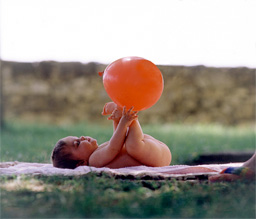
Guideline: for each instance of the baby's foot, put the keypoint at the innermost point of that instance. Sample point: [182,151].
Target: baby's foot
[116,114]
[109,108]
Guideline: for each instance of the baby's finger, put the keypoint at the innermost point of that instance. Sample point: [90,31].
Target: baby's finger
[124,110]
[134,112]
[130,109]
[134,117]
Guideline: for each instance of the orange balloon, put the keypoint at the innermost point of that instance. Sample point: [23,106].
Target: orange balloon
[133,81]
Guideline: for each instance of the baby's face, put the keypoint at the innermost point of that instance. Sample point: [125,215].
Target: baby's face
[80,148]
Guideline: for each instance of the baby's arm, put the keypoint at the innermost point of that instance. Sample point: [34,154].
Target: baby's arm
[146,149]
[109,150]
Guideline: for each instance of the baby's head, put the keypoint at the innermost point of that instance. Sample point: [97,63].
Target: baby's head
[71,152]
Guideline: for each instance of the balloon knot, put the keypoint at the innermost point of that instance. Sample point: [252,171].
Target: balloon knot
[101,73]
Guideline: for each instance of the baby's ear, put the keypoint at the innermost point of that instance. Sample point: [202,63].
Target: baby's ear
[81,163]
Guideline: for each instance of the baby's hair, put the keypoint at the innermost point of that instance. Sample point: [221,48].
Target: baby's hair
[63,159]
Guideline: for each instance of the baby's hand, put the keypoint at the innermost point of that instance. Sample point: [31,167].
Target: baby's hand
[128,116]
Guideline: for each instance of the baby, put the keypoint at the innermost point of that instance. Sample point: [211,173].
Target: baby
[127,147]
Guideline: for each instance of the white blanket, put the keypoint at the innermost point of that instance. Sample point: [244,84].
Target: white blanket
[174,171]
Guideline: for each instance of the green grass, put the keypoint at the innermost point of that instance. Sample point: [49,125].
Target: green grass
[34,143]
[102,196]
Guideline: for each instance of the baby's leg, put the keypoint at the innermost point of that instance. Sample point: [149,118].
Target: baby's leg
[146,149]
[245,172]
[108,108]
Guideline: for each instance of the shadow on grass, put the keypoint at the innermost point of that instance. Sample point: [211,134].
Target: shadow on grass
[103,196]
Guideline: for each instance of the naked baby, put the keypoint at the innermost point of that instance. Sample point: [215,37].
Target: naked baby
[127,147]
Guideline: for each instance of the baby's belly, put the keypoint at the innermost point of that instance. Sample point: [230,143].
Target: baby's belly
[123,159]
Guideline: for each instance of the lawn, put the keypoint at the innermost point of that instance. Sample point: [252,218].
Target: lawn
[95,195]
[34,143]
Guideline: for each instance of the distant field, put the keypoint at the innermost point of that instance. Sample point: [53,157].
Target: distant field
[196,94]
[34,142]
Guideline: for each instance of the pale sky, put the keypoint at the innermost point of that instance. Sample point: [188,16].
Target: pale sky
[170,32]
